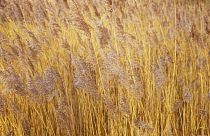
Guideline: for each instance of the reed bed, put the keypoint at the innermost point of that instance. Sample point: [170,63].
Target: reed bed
[104,68]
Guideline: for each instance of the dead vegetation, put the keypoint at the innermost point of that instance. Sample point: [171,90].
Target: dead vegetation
[104,68]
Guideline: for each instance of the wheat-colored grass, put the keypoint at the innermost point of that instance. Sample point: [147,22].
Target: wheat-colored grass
[104,68]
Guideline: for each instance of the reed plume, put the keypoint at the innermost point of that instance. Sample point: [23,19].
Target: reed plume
[102,34]
[83,78]
[77,19]
[12,81]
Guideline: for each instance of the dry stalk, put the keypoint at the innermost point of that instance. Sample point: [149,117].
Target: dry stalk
[124,105]
[63,115]
[186,94]
[11,133]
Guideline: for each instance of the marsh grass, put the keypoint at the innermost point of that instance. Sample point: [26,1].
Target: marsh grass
[104,68]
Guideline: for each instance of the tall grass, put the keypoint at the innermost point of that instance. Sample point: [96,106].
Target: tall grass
[104,68]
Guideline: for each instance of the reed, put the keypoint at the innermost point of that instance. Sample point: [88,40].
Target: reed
[104,68]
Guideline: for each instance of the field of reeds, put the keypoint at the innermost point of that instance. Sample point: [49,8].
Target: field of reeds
[104,67]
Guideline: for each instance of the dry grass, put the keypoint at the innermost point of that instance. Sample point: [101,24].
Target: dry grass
[104,68]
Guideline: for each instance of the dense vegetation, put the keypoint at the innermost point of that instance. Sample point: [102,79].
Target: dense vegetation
[104,68]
